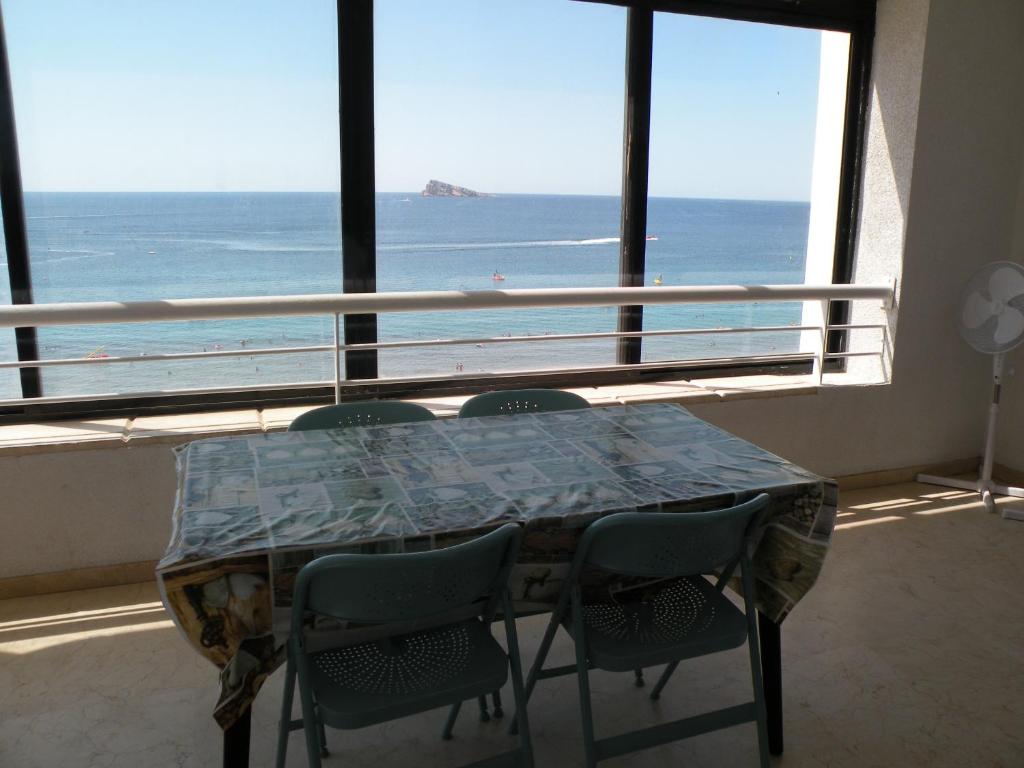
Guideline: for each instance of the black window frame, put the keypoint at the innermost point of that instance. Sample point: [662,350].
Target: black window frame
[358,223]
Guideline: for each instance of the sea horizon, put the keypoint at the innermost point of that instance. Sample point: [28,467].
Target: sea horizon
[483,193]
[129,246]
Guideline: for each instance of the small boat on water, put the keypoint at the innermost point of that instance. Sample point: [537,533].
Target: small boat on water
[652,237]
[497,277]
[658,280]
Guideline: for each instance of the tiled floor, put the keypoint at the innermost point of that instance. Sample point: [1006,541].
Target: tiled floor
[908,652]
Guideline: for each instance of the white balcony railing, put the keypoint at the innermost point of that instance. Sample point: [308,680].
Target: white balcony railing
[338,305]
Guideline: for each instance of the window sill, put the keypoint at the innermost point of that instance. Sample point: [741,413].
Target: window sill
[24,439]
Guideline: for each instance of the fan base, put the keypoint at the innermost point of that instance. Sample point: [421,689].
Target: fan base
[1016,512]
[987,490]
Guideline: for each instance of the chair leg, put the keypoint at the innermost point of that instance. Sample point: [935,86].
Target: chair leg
[312,742]
[284,729]
[453,715]
[583,678]
[321,732]
[518,689]
[309,719]
[485,716]
[639,677]
[762,714]
[538,662]
[754,646]
[656,693]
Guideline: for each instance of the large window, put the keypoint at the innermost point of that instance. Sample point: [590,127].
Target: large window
[10,385]
[183,150]
[734,111]
[523,107]
[195,150]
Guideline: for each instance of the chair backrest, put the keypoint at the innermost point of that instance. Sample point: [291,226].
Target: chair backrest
[365,414]
[418,586]
[669,544]
[521,400]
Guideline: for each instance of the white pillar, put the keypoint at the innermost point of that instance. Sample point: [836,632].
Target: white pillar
[828,153]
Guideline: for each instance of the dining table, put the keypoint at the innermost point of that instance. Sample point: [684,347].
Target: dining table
[252,510]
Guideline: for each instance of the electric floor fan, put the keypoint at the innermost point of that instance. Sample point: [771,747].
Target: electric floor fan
[991,321]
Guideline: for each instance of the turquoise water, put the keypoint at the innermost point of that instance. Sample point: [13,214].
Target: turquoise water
[99,246]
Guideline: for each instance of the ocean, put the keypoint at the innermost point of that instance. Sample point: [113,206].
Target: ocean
[135,246]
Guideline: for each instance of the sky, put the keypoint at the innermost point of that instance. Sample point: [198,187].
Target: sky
[505,96]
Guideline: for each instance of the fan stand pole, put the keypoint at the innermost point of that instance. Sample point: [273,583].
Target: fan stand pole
[984,484]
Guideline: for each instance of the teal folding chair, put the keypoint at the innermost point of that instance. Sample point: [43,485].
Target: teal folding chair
[662,622]
[521,401]
[364,414]
[418,637]
[508,402]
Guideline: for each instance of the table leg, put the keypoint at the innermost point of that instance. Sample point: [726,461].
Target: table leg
[771,672]
[236,742]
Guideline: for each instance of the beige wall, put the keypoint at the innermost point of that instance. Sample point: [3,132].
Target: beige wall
[944,193]
[1010,443]
[84,508]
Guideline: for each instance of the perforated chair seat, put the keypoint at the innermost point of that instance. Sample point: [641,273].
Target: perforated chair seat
[684,618]
[373,682]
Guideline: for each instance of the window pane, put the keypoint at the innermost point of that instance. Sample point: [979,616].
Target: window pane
[521,101]
[178,151]
[10,383]
[734,114]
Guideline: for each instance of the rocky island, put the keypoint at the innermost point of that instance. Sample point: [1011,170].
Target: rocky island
[436,188]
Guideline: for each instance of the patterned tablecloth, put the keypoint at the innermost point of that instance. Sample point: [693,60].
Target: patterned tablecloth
[251,511]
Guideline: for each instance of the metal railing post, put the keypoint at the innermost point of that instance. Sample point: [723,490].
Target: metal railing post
[825,304]
[337,359]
